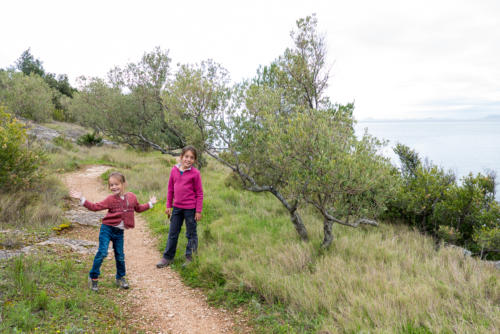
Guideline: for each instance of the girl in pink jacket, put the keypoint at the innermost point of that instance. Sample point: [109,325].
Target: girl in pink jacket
[184,203]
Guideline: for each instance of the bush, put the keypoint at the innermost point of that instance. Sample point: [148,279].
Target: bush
[465,214]
[58,115]
[90,139]
[19,166]
[26,96]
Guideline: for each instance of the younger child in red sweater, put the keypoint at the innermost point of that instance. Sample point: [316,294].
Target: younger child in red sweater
[120,216]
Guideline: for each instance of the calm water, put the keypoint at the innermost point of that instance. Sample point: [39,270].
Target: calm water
[462,146]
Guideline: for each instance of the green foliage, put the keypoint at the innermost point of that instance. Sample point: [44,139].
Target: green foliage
[343,177]
[137,117]
[90,139]
[430,198]
[63,142]
[192,101]
[58,115]
[488,238]
[26,96]
[60,85]
[19,165]
[29,65]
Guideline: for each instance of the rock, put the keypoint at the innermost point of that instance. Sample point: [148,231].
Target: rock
[79,246]
[70,131]
[464,251]
[7,254]
[83,216]
[41,132]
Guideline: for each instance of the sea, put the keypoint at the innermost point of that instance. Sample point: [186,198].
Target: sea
[471,146]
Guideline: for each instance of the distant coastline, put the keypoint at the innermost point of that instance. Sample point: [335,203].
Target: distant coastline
[430,119]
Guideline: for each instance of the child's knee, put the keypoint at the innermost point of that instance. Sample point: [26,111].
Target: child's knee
[101,253]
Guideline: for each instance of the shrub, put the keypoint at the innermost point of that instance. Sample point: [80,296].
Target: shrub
[63,142]
[90,139]
[27,96]
[58,115]
[19,166]
[466,214]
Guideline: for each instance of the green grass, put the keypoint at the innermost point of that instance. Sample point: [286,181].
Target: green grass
[49,294]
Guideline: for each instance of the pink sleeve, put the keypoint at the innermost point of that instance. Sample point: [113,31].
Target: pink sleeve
[170,190]
[198,193]
[103,205]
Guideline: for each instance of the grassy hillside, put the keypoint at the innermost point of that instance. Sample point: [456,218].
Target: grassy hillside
[377,280]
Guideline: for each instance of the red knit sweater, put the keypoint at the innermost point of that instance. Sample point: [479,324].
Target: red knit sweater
[119,209]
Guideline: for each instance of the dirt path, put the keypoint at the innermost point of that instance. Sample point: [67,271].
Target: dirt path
[159,301]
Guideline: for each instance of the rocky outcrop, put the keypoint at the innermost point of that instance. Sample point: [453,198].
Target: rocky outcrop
[69,131]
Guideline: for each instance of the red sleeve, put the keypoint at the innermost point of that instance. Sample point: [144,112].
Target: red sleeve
[139,207]
[170,189]
[103,205]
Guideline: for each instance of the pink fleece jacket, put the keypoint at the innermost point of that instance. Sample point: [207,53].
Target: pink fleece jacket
[185,191]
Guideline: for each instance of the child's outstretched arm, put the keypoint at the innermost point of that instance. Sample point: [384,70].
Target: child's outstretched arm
[144,207]
[89,205]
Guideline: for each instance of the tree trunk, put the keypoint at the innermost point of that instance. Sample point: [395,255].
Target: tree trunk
[299,225]
[253,186]
[328,236]
[294,215]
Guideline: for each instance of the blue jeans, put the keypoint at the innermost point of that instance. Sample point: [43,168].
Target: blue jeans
[178,215]
[115,235]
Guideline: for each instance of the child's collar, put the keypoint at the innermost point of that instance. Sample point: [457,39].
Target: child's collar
[179,168]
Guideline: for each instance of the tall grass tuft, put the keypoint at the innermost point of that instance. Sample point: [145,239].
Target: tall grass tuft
[37,207]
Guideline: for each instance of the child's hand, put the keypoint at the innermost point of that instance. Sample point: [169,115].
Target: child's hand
[168,212]
[152,199]
[197,216]
[75,194]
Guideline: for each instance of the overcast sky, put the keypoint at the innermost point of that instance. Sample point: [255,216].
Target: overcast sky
[395,59]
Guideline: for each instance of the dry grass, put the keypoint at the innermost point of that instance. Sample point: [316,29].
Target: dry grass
[380,280]
[37,207]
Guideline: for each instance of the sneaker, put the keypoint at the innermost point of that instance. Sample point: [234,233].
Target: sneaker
[164,262]
[189,259]
[93,284]
[122,283]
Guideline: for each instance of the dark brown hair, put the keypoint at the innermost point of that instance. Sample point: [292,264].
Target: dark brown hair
[119,176]
[189,148]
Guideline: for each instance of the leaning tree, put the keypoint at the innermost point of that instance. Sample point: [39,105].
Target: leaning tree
[343,177]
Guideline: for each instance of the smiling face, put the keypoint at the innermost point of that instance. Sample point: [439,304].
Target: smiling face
[116,186]
[187,160]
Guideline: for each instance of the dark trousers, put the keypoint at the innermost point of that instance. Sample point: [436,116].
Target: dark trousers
[178,216]
[115,235]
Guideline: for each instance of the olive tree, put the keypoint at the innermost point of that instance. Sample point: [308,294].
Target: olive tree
[26,96]
[192,101]
[342,176]
[129,106]
[295,82]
